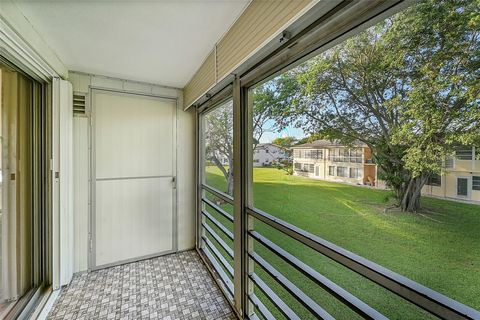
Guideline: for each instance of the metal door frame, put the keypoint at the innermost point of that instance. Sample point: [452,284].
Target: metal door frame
[92,181]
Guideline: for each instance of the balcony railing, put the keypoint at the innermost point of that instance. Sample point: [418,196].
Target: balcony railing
[345,159]
[219,256]
[428,299]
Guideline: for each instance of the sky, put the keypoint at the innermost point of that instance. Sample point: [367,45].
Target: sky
[287,132]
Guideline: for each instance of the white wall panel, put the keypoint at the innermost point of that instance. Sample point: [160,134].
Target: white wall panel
[66,218]
[81,174]
[137,130]
[186,178]
[105,82]
[134,147]
[82,82]
[133,219]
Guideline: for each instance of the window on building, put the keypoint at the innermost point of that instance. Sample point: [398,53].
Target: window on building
[464,153]
[311,167]
[434,180]
[476,183]
[355,173]
[342,171]
[331,170]
[449,162]
[297,166]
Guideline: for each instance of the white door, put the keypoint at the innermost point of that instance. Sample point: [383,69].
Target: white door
[133,214]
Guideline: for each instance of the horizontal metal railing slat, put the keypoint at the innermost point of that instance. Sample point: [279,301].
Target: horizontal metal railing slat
[223,276]
[307,302]
[218,255]
[218,209]
[347,298]
[426,298]
[222,195]
[261,307]
[219,225]
[218,239]
[274,298]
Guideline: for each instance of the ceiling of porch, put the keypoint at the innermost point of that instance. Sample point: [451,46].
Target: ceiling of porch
[161,42]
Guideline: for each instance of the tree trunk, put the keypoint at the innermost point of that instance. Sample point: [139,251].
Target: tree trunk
[409,197]
[230,183]
[230,178]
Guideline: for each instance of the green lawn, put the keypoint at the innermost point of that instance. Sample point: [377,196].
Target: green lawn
[439,249]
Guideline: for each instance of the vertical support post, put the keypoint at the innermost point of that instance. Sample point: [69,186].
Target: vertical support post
[200,177]
[248,141]
[239,134]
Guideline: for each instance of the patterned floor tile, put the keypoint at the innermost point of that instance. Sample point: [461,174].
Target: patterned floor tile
[172,287]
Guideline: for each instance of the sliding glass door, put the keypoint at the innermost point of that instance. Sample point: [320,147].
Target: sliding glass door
[22,185]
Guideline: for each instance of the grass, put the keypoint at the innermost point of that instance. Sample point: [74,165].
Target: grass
[439,248]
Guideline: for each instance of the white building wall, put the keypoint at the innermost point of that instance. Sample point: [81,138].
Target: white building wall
[266,154]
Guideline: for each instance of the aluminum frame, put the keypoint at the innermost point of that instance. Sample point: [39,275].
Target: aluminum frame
[40,134]
[202,246]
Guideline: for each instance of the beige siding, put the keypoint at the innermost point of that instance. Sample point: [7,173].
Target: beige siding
[203,80]
[260,21]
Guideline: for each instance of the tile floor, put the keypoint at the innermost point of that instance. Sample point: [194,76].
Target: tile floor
[176,286]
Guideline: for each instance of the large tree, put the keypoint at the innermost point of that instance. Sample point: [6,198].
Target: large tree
[407,87]
[218,131]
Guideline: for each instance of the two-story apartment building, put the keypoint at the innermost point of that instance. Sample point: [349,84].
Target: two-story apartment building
[460,178]
[266,154]
[327,160]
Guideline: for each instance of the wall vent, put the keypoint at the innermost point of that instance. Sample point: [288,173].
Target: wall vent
[78,104]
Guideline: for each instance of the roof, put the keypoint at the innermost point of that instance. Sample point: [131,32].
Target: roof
[321,144]
[264,145]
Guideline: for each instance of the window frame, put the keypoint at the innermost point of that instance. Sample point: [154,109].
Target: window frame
[476,183]
[434,181]
[214,265]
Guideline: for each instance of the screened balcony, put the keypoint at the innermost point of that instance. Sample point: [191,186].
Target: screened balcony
[132,186]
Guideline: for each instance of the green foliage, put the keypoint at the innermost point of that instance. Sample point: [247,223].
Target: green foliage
[284,165]
[285,142]
[407,87]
